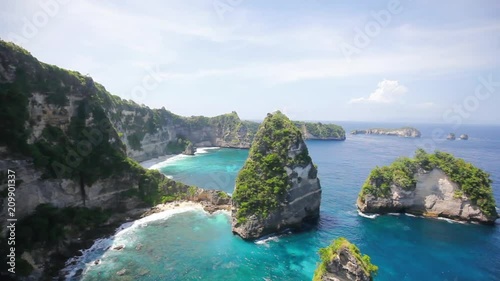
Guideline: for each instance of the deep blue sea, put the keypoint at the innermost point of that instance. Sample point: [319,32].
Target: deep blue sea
[193,245]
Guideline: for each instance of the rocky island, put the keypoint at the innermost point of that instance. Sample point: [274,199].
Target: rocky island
[343,261]
[451,136]
[464,137]
[433,185]
[278,187]
[321,131]
[406,132]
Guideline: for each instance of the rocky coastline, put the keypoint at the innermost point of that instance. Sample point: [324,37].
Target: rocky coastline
[53,261]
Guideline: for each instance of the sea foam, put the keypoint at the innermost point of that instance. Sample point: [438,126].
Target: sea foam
[204,150]
[372,216]
[101,246]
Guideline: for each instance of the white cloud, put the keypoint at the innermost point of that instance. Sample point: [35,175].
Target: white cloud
[388,91]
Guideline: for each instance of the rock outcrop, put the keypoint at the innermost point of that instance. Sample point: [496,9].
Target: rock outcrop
[451,136]
[342,261]
[190,149]
[406,132]
[464,137]
[321,131]
[278,187]
[422,187]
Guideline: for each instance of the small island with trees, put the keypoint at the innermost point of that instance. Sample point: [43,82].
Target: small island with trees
[434,185]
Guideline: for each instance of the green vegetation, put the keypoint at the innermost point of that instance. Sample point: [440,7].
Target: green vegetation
[331,252]
[134,141]
[320,130]
[263,181]
[222,195]
[473,182]
[153,187]
[89,148]
[179,146]
[49,225]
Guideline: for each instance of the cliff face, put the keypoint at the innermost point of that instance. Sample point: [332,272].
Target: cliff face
[426,189]
[342,261]
[61,136]
[403,132]
[278,187]
[149,133]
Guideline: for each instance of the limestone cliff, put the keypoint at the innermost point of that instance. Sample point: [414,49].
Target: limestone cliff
[434,185]
[60,135]
[342,261]
[406,132]
[148,133]
[278,187]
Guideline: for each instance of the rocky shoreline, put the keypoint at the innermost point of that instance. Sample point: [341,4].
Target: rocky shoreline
[61,262]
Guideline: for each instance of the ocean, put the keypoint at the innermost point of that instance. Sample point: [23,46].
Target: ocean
[189,244]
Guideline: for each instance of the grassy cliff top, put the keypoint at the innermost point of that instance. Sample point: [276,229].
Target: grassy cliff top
[263,181]
[321,130]
[332,251]
[472,181]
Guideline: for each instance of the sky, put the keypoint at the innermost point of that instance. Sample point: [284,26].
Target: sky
[382,61]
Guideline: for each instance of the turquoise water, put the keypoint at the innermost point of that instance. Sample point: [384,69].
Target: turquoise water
[196,246]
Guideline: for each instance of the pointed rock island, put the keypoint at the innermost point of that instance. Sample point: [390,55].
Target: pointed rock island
[433,185]
[278,187]
[343,261]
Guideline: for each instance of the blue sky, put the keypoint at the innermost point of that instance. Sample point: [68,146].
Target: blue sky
[410,61]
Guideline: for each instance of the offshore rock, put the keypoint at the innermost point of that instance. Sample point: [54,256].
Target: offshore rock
[278,187]
[342,261]
[406,132]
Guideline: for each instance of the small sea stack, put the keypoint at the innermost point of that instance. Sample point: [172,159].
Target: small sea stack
[464,137]
[343,261]
[431,185]
[278,187]
[451,136]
